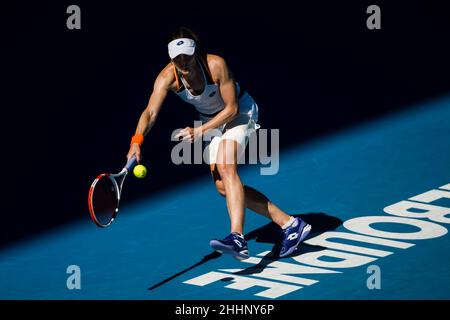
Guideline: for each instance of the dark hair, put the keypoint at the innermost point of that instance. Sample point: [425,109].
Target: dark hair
[185,32]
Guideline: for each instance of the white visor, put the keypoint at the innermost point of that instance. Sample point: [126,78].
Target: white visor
[181,46]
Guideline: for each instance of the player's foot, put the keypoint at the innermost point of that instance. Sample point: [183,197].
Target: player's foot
[233,244]
[292,236]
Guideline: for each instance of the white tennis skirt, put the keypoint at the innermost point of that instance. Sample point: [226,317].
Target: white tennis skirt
[239,129]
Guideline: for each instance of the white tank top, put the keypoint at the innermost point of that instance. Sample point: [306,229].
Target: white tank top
[210,101]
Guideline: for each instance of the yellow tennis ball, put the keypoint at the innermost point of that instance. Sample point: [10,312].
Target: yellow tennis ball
[140,171]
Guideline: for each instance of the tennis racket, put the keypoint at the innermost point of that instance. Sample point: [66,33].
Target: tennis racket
[104,195]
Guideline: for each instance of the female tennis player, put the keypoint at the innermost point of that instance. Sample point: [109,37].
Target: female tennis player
[205,81]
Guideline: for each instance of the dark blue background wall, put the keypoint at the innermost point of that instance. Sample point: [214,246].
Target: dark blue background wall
[71,99]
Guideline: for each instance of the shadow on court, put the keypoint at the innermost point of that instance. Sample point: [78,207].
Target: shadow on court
[211,256]
[271,233]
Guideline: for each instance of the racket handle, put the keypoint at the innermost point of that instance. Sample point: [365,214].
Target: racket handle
[131,163]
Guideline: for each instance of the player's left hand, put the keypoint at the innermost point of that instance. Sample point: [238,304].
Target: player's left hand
[189,134]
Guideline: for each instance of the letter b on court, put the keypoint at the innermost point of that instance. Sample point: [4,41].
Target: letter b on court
[74,280]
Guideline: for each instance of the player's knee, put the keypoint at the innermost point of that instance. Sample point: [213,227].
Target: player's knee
[226,170]
[220,188]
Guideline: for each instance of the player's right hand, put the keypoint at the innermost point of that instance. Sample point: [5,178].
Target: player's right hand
[135,149]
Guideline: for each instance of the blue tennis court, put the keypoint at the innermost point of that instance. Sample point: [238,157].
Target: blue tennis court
[158,247]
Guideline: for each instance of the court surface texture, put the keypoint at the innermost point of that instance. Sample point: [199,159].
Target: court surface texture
[158,248]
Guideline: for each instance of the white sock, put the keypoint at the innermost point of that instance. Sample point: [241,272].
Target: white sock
[291,223]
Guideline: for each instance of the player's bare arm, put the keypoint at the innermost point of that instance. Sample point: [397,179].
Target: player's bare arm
[162,85]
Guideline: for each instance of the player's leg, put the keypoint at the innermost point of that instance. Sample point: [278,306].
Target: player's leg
[253,200]
[294,229]
[227,168]
[226,165]
[223,156]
